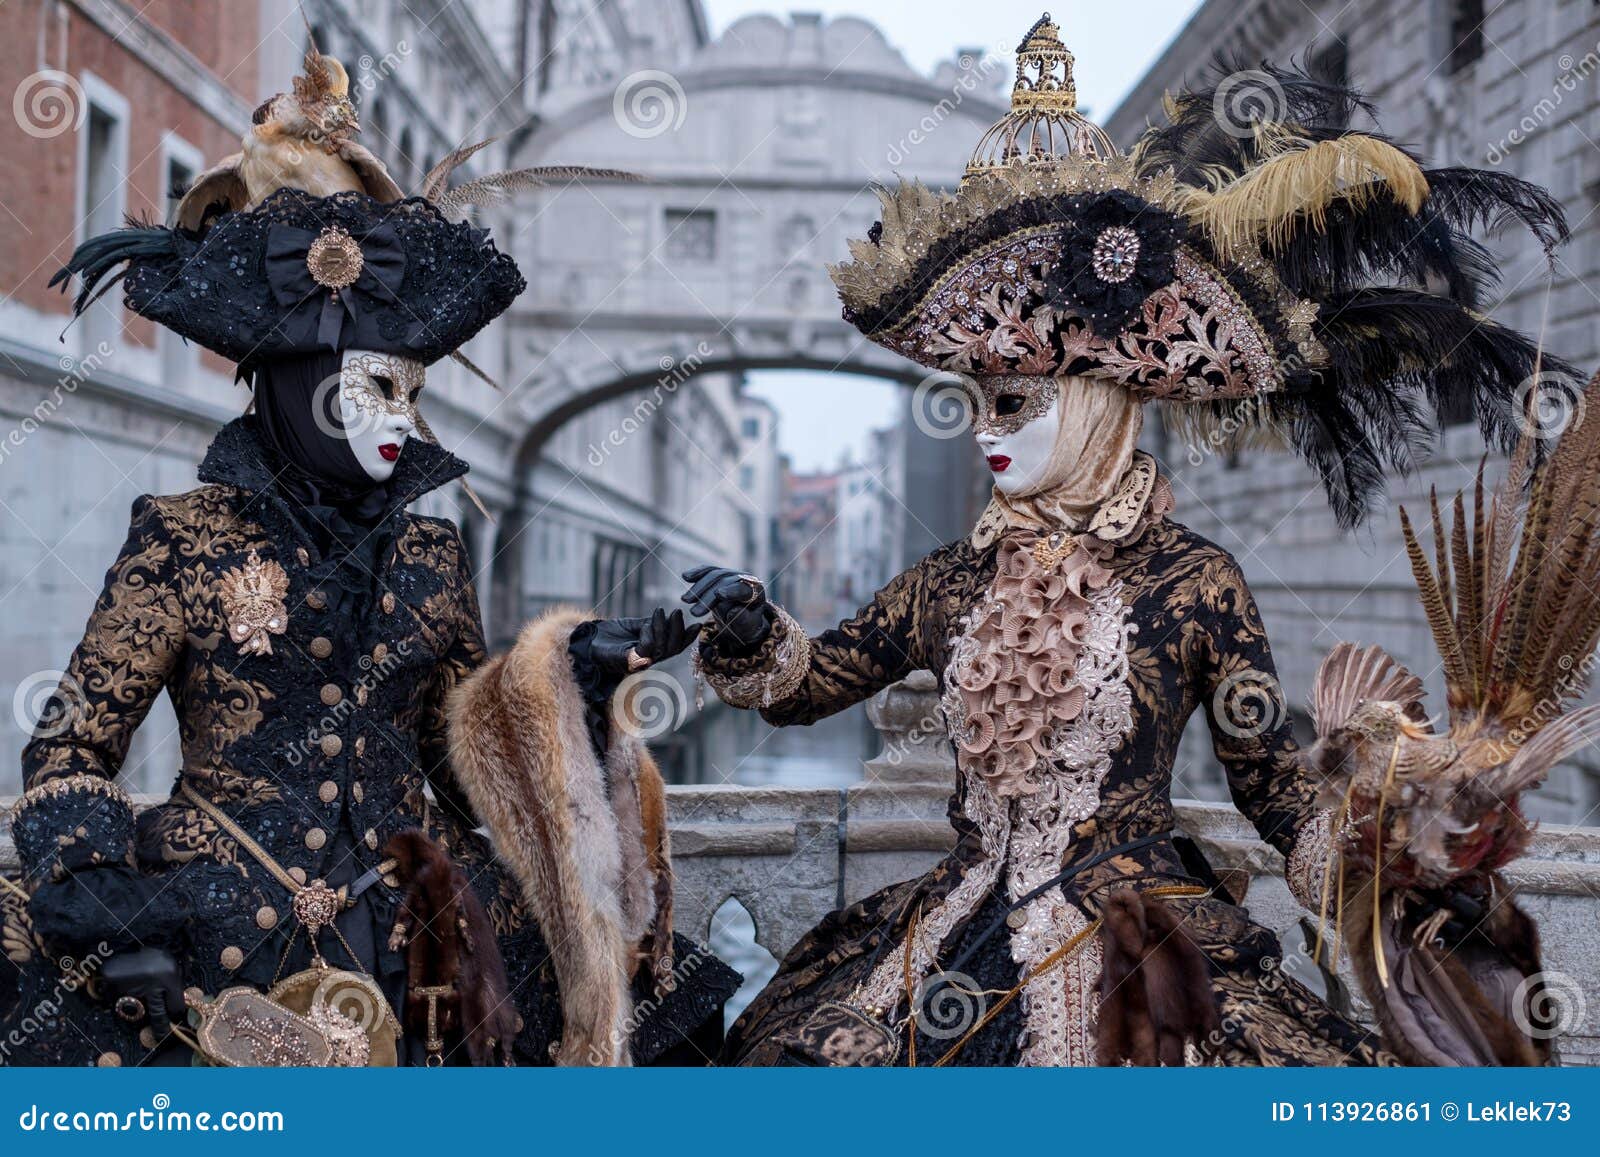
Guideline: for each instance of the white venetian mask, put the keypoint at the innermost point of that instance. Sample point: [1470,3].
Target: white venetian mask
[1016,420]
[378,405]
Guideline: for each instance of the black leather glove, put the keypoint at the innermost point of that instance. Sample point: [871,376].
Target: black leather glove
[736,601]
[1467,902]
[615,642]
[144,986]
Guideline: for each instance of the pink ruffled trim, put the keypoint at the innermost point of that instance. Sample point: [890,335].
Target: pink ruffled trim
[1021,683]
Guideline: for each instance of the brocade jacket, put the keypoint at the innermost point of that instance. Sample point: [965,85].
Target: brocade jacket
[1169,628]
[314,728]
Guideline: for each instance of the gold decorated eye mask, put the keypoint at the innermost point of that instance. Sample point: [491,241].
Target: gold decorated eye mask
[1038,391]
[361,381]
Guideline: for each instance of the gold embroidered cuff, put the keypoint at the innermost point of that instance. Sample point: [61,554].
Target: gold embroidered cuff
[55,789]
[1308,860]
[72,822]
[773,674]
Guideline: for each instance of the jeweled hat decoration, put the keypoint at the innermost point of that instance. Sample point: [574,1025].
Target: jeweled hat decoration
[1265,274]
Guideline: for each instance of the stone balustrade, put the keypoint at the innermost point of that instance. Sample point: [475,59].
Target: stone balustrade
[789,856]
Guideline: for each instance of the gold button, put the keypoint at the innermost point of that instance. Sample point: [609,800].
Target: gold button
[109,1060]
[331,745]
[321,647]
[331,694]
[232,957]
[391,880]
[372,839]
[328,792]
[359,792]
[317,601]
[298,875]
[361,695]
[303,555]
[1016,919]
[361,746]
[380,653]
[388,602]
[315,838]
[267,918]
[193,997]
[147,1037]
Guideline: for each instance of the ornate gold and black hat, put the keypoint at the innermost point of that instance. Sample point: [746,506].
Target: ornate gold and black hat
[1281,275]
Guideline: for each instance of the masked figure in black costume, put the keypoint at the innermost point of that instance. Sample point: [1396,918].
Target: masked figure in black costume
[315,890]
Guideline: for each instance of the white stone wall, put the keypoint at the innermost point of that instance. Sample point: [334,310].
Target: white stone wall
[1316,586]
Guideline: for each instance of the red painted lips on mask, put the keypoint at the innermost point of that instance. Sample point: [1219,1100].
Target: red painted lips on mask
[390,452]
[998,463]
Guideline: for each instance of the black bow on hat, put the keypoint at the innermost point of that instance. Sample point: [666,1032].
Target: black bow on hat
[329,273]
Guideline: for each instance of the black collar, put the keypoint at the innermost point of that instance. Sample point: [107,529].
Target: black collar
[239,457]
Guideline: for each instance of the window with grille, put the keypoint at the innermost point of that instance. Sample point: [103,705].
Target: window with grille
[691,235]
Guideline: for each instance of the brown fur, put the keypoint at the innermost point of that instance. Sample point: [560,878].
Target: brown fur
[1155,985]
[592,868]
[1452,1006]
[449,940]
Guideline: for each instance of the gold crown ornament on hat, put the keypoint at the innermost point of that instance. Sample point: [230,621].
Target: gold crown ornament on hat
[1044,123]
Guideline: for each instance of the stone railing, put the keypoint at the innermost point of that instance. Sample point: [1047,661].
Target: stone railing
[789,856]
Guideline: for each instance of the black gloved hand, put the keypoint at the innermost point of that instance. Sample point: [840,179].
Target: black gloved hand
[615,642]
[736,601]
[1467,902]
[145,985]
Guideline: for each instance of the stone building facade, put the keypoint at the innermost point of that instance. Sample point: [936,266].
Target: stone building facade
[646,305]
[1513,85]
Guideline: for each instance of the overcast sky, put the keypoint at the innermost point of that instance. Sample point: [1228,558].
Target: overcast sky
[1113,45]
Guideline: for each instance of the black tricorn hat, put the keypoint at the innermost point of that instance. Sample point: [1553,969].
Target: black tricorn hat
[300,273]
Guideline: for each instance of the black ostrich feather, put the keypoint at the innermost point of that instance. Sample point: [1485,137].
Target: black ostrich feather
[1382,241]
[1400,361]
[98,258]
[1211,127]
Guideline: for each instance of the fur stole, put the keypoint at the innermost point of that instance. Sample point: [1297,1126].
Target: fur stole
[1155,985]
[588,844]
[450,945]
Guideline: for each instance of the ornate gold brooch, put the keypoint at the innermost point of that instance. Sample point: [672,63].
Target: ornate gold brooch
[252,600]
[1049,550]
[334,258]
